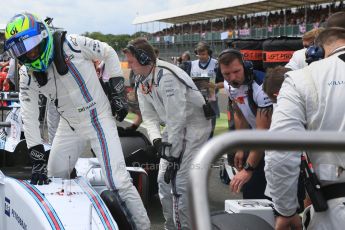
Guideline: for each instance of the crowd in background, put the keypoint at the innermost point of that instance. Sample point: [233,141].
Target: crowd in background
[316,15]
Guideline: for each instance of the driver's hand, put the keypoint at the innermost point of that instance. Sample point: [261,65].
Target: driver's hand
[39,160]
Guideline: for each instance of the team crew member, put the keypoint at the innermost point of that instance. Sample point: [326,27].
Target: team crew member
[167,94]
[205,67]
[309,100]
[298,59]
[60,67]
[253,109]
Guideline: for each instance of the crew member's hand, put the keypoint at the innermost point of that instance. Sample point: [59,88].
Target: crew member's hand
[288,223]
[238,160]
[39,161]
[172,168]
[157,143]
[239,180]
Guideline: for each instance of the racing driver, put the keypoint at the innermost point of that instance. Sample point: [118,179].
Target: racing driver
[60,67]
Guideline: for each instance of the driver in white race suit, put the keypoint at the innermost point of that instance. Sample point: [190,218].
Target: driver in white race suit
[60,67]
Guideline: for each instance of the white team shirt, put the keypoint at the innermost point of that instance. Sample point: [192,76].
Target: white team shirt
[240,97]
[297,60]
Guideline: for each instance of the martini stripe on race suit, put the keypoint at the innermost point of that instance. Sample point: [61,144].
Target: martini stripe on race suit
[107,165]
[80,81]
[104,147]
[84,91]
[44,204]
[96,124]
[97,203]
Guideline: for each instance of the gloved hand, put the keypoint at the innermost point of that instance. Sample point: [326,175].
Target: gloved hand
[39,161]
[157,144]
[172,168]
[118,101]
[162,148]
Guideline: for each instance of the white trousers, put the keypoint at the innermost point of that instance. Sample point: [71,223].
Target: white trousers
[174,196]
[333,218]
[102,133]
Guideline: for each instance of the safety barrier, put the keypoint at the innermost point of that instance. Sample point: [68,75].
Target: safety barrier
[261,140]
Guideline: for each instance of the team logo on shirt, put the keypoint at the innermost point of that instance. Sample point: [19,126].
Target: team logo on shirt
[240,100]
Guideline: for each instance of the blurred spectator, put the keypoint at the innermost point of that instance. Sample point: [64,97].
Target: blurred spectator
[185,62]
[298,59]
[8,83]
[185,56]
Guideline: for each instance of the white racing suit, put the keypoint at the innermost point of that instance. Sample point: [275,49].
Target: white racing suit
[297,60]
[53,120]
[85,115]
[312,99]
[166,99]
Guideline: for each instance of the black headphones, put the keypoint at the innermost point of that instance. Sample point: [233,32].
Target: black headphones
[247,65]
[140,55]
[314,53]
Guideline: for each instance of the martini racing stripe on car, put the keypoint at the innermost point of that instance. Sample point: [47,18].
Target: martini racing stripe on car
[44,204]
[98,204]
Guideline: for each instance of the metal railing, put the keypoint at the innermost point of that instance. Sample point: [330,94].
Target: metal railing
[261,140]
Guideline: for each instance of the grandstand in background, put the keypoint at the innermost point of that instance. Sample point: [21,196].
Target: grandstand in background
[218,22]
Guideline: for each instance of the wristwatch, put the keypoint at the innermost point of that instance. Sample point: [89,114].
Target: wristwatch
[248,167]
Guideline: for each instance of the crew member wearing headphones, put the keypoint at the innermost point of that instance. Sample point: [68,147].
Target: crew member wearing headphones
[167,94]
[205,68]
[253,110]
[310,100]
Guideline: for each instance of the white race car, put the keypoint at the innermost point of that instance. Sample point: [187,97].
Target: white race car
[63,204]
[83,202]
